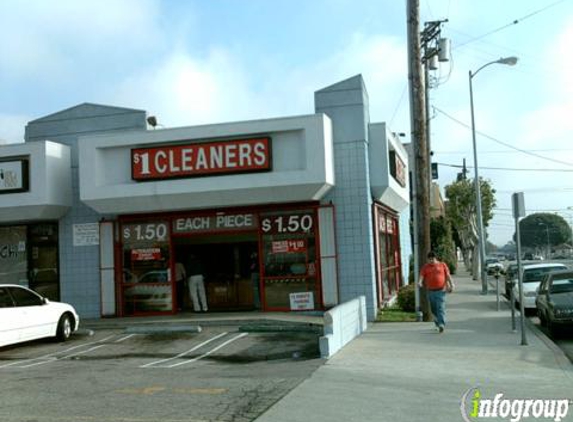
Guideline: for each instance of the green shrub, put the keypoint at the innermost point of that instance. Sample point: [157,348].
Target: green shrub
[407,298]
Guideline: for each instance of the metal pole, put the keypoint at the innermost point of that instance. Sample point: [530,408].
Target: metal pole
[520,281]
[512,304]
[497,288]
[481,234]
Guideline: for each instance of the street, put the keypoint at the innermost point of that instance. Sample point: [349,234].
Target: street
[564,341]
[217,374]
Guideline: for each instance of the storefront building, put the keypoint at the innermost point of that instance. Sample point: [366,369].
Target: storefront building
[289,214]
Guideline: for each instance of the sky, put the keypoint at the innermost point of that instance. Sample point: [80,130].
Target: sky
[212,61]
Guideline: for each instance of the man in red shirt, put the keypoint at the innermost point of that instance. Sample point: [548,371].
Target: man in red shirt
[435,277]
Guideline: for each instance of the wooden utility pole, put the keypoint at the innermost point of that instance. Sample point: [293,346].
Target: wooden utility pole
[418,121]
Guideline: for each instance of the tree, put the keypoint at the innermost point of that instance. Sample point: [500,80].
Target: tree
[543,231]
[461,211]
[443,243]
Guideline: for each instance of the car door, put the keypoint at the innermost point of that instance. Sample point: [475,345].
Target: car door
[9,319]
[35,318]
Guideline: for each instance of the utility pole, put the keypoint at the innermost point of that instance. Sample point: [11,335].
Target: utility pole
[418,121]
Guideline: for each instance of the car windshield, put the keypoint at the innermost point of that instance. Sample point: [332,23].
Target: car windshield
[562,285]
[532,275]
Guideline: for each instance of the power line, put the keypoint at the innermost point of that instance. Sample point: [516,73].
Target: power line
[548,211]
[506,168]
[498,141]
[514,22]
[539,190]
[505,152]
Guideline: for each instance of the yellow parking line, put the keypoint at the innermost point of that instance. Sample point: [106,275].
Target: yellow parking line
[212,391]
[78,418]
[146,391]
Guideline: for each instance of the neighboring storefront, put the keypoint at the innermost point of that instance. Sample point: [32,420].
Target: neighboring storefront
[29,256]
[289,214]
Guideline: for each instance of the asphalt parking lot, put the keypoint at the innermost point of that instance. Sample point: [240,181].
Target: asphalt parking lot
[220,373]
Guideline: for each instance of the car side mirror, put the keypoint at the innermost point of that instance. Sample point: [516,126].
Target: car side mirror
[45,301]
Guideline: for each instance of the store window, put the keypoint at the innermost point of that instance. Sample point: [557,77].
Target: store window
[146,283]
[13,258]
[289,260]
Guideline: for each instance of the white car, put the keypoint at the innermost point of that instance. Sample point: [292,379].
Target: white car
[25,316]
[493,266]
[532,276]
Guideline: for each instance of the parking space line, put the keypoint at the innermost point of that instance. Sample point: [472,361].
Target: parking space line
[125,338]
[50,356]
[209,352]
[157,362]
[91,349]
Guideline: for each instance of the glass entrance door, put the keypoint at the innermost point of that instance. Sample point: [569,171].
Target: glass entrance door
[43,260]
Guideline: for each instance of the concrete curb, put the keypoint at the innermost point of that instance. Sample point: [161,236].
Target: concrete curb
[264,328]
[195,326]
[560,357]
[162,329]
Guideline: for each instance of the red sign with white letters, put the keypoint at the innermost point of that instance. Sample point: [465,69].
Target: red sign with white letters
[201,159]
[289,246]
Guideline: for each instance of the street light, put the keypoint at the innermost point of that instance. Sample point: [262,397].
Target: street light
[510,61]
[539,223]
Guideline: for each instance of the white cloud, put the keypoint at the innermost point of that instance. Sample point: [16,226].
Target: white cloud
[50,37]
[186,90]
[12,128]
[183,90]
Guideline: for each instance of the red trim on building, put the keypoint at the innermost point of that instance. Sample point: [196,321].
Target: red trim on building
[388,256]
[278,223]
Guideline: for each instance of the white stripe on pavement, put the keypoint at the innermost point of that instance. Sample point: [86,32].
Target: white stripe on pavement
[208,353]
[50,357]
[147,365]
[125,338]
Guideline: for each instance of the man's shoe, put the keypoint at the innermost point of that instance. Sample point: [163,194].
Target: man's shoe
[441,328]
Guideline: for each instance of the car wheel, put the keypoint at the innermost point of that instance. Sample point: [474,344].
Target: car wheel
[64,328]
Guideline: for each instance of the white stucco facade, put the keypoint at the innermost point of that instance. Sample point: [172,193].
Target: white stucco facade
[49,194]
[302,168]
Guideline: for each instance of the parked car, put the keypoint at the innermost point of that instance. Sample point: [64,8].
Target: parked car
[25,315]
[493,265]
[510,275]
[555,301]
[149,292]
[532,276]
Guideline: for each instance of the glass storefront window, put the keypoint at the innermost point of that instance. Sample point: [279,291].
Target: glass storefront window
[13,255]
[289,262]
[146,267]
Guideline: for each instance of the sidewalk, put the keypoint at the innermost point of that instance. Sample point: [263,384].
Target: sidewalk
[409,372]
